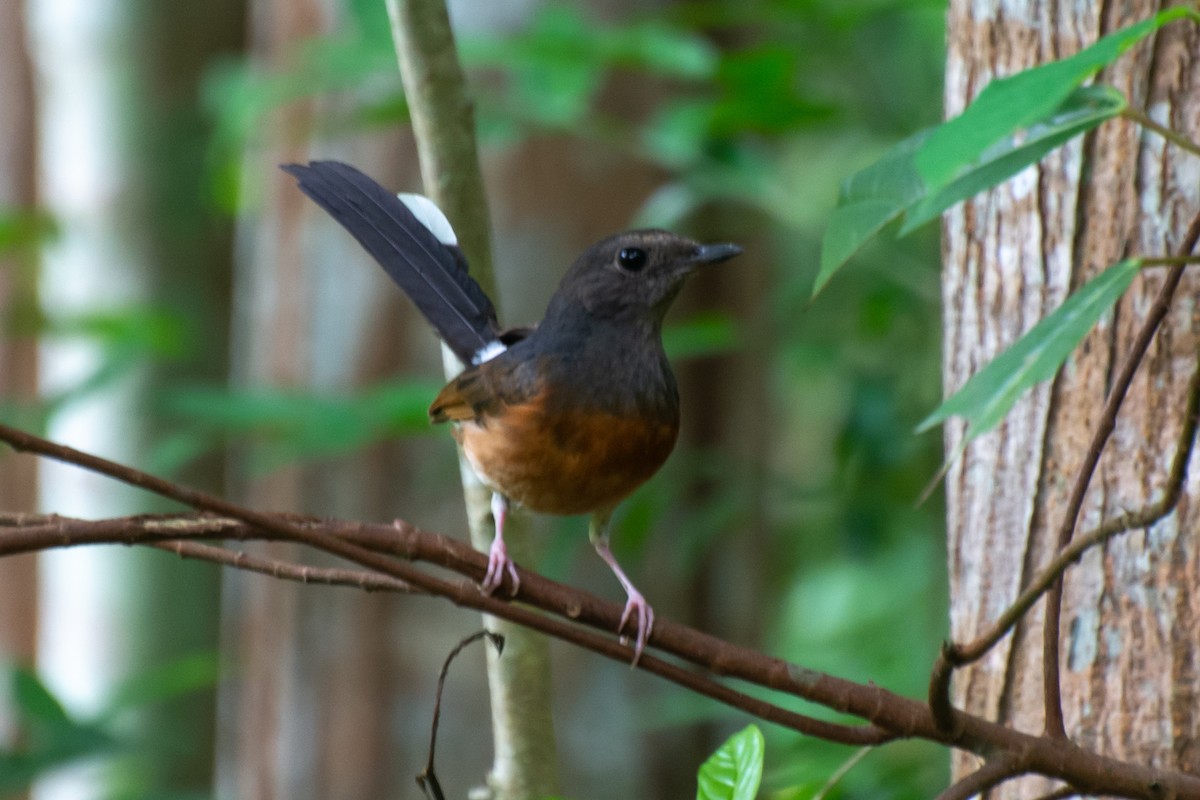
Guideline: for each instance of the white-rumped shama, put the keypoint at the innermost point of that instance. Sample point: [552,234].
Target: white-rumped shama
[568,417]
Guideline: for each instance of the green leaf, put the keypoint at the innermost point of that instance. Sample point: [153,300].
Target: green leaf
[1036,356]
[138,330]
[891,178]
[292,425]
[659,48]
[850,227]
[35,702]
[892,186]
[1083,110]
[735,770]
[1006,105]
[164,682]
[868,201]
[49,736]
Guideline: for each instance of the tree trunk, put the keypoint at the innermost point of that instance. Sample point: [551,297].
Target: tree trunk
[1129,620]
[18,355]
[121,169]
[333,688]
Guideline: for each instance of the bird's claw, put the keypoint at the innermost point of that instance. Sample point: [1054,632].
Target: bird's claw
[499,564]
[637,610]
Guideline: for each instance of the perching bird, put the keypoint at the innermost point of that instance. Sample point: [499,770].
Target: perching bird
[568,417]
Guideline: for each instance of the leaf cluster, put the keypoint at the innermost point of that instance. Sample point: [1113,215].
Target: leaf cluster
[1012,124]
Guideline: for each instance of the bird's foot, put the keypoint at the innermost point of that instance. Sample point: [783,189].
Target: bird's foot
[638,611]
[499,564]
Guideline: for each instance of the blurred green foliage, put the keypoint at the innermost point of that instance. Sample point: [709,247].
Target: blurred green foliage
[22,230]
[1013,124]
[756,112]
[290,426]
[759,111]
[48,737]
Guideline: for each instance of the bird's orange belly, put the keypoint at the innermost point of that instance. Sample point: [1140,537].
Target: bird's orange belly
[566,463]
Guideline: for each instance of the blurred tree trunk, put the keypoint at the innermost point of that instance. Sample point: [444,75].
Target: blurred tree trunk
[1129,621]
[122,171]
[333,688]
[18,349]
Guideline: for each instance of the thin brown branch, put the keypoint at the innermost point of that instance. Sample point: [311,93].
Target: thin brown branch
[459,594]
[1173,136]
[1051,686]
[958,655]
[284,570]
[410,542]
[1170,261]
[427,779]
[939,689]
[842,771]
[992,773]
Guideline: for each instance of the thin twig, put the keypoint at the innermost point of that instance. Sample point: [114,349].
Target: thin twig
[1170,261]
[427,779]
[959,655]
[841,772]
[1173,136]
[940,706]
[284,570]
[992,773]
[1051,686]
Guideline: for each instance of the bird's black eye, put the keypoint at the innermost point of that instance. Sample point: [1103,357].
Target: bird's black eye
[632,259]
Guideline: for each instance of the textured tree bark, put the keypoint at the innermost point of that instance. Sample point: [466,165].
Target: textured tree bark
[1129,620]
[18,356]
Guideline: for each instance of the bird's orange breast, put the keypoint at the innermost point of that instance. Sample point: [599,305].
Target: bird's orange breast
[566,461]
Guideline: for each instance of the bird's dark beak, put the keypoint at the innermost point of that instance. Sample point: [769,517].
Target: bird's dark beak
[715,253]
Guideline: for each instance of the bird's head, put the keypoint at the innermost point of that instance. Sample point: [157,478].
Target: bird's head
[634,275]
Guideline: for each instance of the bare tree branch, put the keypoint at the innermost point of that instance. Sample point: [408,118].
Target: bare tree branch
[389,550]
[1051,685]
[427,779]
[444,127]
[1129,521]
[954,655]
[275,568]
[1069,551]
[940,706]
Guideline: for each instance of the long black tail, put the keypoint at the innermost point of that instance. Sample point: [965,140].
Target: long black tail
[431,271]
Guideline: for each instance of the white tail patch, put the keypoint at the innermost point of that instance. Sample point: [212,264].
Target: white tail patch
[429,215]
[488,352]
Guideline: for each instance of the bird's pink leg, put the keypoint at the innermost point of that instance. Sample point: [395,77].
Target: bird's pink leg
[636,607]
[498,561]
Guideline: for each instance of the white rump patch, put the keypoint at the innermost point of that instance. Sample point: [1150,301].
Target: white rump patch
[429,215]
[488,352]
